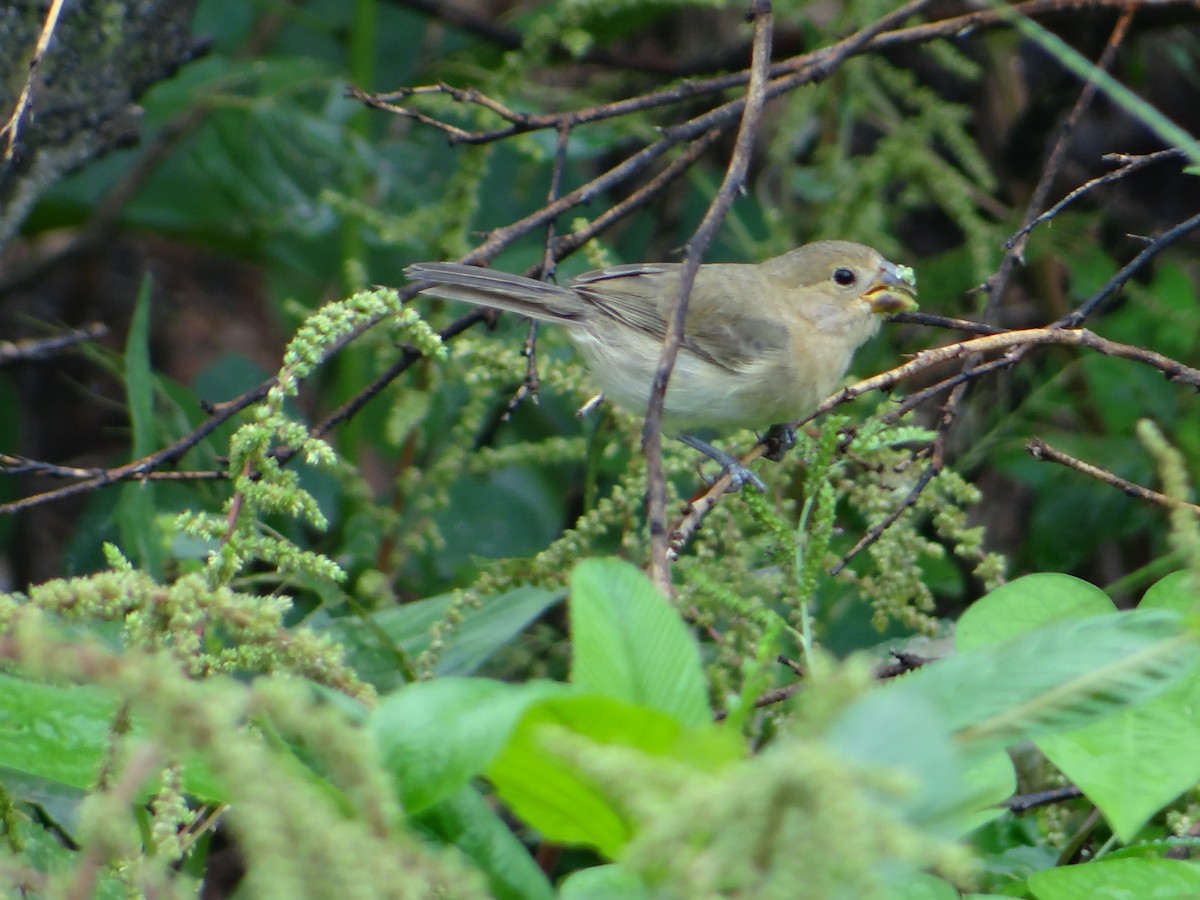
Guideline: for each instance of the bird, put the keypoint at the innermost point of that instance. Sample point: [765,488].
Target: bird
[763,343]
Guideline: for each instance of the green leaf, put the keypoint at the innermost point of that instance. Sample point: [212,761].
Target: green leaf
[378,645]
[902,732]
[603,883]
[61,733]
[468,822]
[1135,762]
[629,643]
[435,736]
[1175,591]
[43,851]
[550,790]
[1118,879]
[136,513]
[922,886]
[1025,604]
[57,733]
[1061,676]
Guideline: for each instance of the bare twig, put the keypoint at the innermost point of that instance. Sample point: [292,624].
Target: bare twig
[41,348]
[12,127]
[888,521]
[1129,165]
[1023,803]
[529,386]
[817,60]
[1114,284]
[1015,247]
[735,175]
[1039,449]
[1032,337]
[920,318]
[20,465]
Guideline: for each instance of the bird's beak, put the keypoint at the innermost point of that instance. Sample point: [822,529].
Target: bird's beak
[894,290]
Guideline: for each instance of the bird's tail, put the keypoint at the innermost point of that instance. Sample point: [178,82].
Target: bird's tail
[499,290]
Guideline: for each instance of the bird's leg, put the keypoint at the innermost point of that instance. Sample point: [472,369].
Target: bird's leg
[739,473]
[778,440]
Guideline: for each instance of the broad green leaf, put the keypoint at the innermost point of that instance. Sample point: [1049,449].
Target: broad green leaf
[1061,676]
[989,781]
[435,736]
[603,883]
[468,822]
[1135,762]
[44,852]
[58,733]
[1175,591]
[922,886]
[948,792]
[554,793]
[1025,604]
[629,643]
[380,644]
[1118,879]
[61,733]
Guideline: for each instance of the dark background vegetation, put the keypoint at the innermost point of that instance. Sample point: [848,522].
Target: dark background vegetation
[250,189]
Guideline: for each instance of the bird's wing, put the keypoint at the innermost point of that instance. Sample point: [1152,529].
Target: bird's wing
[723,325]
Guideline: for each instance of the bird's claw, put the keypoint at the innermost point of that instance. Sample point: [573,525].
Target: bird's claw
[778,440]
[739,477]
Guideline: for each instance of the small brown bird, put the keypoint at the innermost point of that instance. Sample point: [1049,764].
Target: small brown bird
[762,343]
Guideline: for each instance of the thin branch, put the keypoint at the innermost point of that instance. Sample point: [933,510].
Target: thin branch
[531,383]
[1114,285]
[1015,248]
[21,465]
[933,321]
[1129,165]
[1032,337]
[880,39]
[32,349]
[1040,450]
[735,175]
[1023,803]
[12,127]
[141,468]
[876,532]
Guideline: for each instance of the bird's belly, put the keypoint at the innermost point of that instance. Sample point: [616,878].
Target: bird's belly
[700,394]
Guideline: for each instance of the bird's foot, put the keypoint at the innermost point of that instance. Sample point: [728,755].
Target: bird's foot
[739,475]
[778,440]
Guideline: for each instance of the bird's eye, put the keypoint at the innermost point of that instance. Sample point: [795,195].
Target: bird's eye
[844,277]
